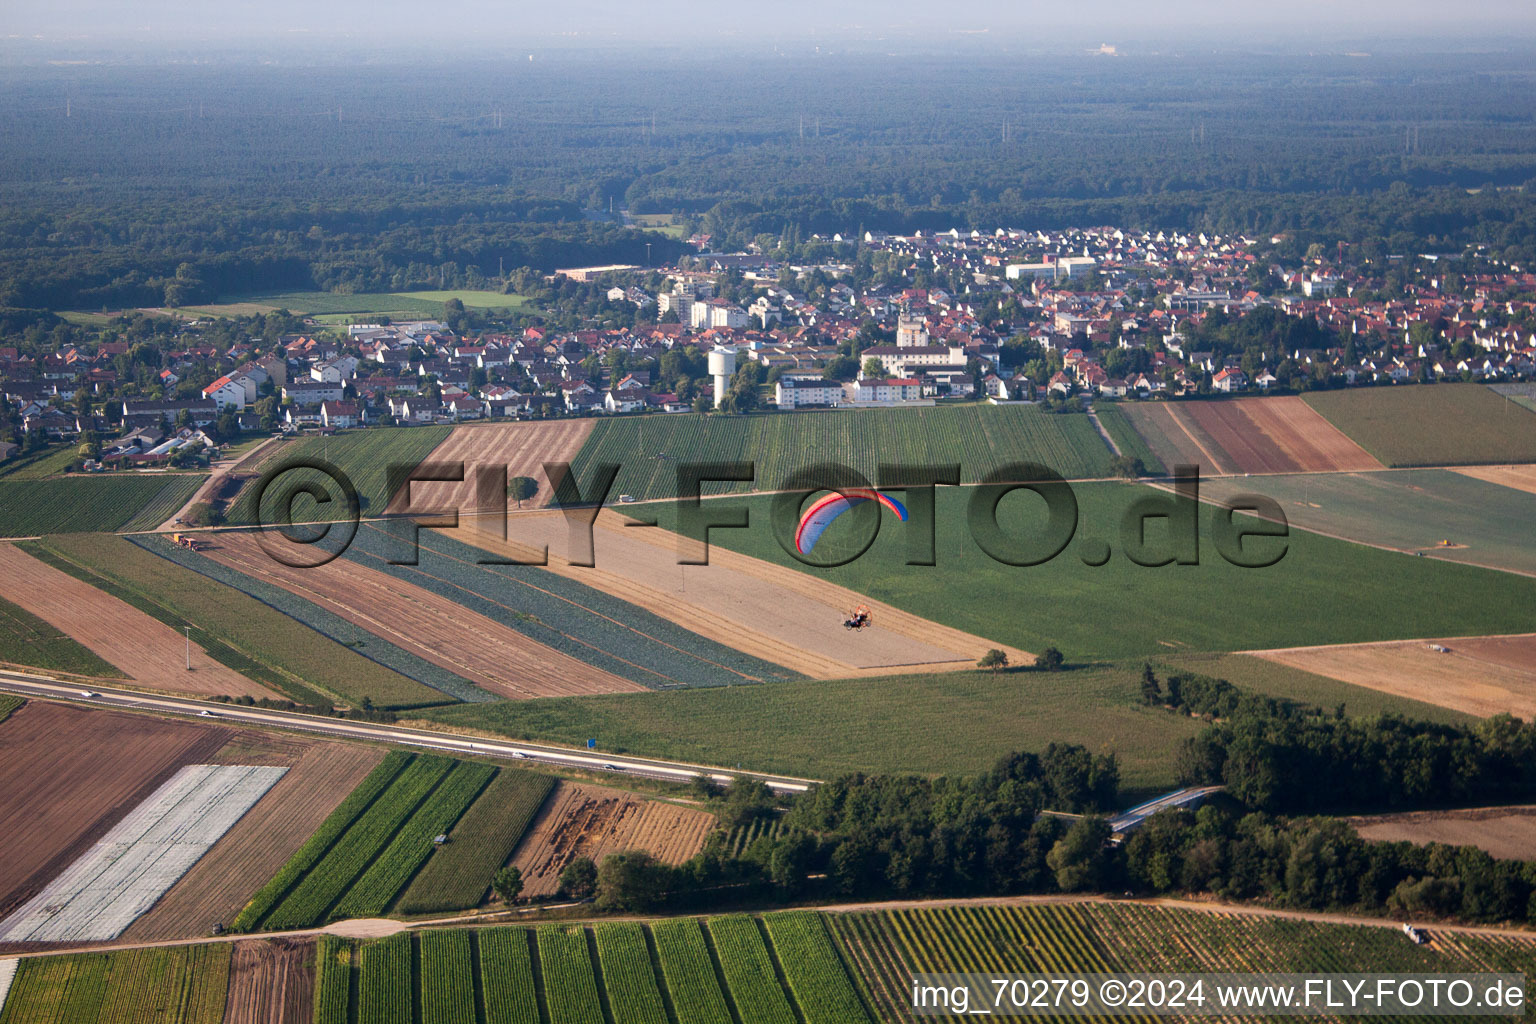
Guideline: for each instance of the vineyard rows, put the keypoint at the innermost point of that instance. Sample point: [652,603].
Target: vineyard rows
[649,449]
[743,836]
[458,874]
[180,985]
[885,948]
[626,972]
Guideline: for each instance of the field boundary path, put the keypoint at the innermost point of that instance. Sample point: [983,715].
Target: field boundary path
[1093,416]
[215,478]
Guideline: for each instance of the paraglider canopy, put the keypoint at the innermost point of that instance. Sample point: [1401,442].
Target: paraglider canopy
[824,510]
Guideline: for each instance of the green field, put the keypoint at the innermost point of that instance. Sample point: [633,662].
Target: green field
[1322,591]
[956,723]
[28,640]
[41,464]
[248,636]
[1432,425]
[365,456]
[9,703]
[649,449]
[84,504]
[624,972]
[887,947]
[1487,524]
[178,985]
[1118,426]
[457,875]
[368,850]
[400,305]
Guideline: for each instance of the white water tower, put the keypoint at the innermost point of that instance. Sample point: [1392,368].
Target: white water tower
[722,364]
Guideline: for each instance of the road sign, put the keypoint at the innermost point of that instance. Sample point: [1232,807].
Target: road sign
[591,744]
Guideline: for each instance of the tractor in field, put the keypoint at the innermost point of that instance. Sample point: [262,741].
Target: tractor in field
[186,540]
[859,618]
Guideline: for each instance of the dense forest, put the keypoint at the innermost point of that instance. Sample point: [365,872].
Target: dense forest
[201,181]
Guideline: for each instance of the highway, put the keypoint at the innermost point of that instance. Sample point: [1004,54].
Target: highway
[27,685]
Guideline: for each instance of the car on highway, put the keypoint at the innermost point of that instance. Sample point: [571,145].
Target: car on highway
[612,768]
[520,754]
[88,693]
[206,714]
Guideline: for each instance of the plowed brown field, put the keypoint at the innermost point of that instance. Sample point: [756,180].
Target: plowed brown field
[1478,675]
[1505,832]
[261,842]
[151,652]
[271,981]
[769,611]
[480,649]
[1277,435]
[69,775]
[591,821]
[522,447]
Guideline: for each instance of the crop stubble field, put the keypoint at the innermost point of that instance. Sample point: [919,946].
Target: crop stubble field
[486,652]
[522,448]
[85,770]
[578,820]
[149,651]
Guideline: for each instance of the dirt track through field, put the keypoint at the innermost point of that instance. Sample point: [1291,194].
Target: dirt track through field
[219,884]
[71,775]
[765,610]
[1481,676]
[522,447]
[271,982]
[591,821]
[152,653]
[482,650]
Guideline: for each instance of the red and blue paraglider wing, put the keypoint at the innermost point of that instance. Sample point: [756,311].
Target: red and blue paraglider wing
[821,513]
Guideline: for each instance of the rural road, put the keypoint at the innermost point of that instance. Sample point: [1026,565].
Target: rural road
[128,700]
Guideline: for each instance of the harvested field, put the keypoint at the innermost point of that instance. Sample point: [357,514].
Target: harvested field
[129,868]
[1521,478]
[1478,675]
[322,774]
[1174,437]
[1508,833]
[1277,435]
[591,821]
[71,775]
[271,982]
[522,448]
[152,653]
[482,650]
[768,611]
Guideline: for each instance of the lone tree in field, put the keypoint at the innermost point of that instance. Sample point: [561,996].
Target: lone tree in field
[1050,660]
[521,488]
[994,659]
[1151,690]
[508,884]
[579,878]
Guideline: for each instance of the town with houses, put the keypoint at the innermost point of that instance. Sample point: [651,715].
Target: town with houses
[1006,316]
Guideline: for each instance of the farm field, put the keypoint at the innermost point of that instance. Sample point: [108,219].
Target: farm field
[142,856]
[319,776]
[1117,424]
[180,985]
[958,722]
[523,448]
[84,772]
[1521,478]
[365,456]
[427,305]
[1505,832]
[1322,591]
[271,982]
[1276,435]
[1479,676]
[745,603]
[458,875]
[255,639]
[885,947]
[578,820]
[29,508]
[562,613]
[1432,425]
[29,641]
[581,975]
[472,647]
[1174,437]
[363,856]
[1411,510]
[648,449]
[119,640]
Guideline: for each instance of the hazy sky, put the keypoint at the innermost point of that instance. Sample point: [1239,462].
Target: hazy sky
[1201,24]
